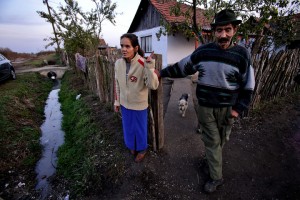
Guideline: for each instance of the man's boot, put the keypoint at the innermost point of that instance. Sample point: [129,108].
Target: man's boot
[211,185]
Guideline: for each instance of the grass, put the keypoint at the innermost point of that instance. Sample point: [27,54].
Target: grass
[90,160]
[85,159]
[21,114]
[280,102]
[73,160]
[40,61]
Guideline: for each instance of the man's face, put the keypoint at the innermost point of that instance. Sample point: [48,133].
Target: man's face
[224,35]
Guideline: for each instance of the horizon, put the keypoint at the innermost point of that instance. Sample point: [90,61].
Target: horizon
[24,31]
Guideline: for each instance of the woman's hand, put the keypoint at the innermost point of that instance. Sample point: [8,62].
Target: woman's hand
[117,108]
[149,58]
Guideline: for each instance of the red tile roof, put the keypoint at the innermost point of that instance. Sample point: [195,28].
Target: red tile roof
[164,10]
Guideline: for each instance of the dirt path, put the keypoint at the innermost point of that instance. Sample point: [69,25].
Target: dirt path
[260,161]
[173,172]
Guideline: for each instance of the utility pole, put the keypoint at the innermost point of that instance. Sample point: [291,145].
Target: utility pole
[53,27]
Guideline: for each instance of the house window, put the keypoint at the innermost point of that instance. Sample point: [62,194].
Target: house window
[146,44]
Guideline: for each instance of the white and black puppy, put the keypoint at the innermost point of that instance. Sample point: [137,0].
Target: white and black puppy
[183,104]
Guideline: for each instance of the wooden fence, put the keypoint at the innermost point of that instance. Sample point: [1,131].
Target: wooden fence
[99,77]
[274,74]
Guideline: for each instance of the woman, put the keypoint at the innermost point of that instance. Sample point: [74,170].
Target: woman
[133,77]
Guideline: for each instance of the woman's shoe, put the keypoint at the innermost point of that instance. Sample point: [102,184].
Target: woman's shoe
[140,157]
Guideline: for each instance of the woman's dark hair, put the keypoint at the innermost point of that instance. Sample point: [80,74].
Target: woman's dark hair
[134,42]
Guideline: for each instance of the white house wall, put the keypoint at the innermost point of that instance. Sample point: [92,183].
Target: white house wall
[179,47]
[159,47]
[172,48]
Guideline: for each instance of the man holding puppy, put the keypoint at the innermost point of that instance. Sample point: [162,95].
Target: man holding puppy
[224,88]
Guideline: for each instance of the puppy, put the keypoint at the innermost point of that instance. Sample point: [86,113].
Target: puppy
[183,104]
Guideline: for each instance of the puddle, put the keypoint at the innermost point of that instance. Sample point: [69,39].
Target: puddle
[52,137]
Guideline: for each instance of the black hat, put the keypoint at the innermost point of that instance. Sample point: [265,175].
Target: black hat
[224,17]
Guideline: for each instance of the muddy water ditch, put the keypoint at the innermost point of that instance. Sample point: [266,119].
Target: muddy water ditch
[52,138]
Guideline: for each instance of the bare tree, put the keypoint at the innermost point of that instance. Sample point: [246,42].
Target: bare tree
[79,31]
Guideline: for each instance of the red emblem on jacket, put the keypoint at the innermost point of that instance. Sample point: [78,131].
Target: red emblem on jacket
[133,79]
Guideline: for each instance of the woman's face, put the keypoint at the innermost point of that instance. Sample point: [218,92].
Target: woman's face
[128,51]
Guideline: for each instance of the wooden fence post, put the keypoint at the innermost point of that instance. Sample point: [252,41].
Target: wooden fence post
[156,111]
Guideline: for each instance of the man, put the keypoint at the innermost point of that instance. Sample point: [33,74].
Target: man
[224,88]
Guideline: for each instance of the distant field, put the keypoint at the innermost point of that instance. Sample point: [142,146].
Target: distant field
[30,59]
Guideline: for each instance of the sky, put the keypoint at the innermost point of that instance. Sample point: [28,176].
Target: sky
[23,30]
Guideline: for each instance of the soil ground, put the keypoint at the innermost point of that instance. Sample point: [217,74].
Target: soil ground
[261,160]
